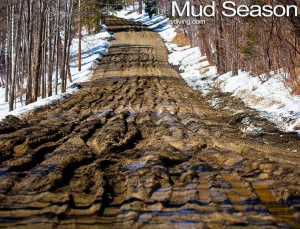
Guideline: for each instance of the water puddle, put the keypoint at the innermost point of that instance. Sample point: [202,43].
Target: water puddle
[238,193]
[136,166]
[278,210]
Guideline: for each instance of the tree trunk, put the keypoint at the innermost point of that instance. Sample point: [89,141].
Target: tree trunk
[206,45]
[140,6]
[79,35]
[29,53]
[64,54]
[16,48]
[235,55]
[220,52]
[38,55]
[8,58]
[51,50]
[57,43]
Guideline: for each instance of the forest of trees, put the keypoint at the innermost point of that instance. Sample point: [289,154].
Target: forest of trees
[35,39]
[36,35]
[255,44]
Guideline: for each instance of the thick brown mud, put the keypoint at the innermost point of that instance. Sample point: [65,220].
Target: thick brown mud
[136,147]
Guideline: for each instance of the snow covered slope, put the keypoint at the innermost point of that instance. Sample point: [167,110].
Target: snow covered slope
[93,47]
[269,96]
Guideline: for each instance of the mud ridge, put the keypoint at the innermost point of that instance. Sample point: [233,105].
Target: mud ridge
[136,147]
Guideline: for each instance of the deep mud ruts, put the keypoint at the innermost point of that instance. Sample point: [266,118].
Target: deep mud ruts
[136,147]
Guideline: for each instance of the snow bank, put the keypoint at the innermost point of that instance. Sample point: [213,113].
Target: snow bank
[269,96]
[93,47]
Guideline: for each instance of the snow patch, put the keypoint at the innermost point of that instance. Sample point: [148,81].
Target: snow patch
[269,96]
[93,48]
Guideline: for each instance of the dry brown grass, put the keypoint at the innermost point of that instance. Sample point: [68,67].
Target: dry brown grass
[296,88]
[181,40]
[292,81]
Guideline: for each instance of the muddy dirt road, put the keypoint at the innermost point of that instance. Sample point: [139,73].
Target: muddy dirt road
[136,147]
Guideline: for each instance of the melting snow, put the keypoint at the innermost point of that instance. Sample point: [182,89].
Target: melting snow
[93,47]
[270,96]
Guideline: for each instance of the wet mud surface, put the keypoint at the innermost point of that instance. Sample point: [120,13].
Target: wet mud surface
[136,147]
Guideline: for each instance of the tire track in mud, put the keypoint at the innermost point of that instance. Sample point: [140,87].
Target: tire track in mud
[136,147]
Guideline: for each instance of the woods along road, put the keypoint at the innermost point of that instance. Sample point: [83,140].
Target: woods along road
[136,147]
